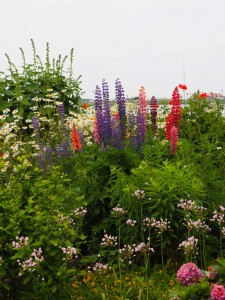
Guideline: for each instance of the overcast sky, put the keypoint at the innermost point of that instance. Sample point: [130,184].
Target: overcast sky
[155,43]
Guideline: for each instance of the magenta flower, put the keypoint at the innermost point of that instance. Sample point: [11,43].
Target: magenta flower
[218,292]
[189,274]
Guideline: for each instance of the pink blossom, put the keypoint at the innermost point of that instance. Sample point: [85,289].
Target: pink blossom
[218,292]
[189,274]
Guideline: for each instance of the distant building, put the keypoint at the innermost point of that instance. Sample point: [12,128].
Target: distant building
[213,96]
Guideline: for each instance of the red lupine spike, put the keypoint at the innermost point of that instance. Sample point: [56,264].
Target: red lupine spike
[76,139]
[173,140]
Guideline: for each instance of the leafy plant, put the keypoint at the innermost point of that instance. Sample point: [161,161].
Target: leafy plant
[39,83]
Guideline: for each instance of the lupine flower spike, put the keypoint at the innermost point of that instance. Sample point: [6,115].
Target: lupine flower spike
[76,139]
[142,116]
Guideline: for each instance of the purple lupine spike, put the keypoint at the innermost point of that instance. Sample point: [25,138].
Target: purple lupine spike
[116,135]
[36,129]
[35,123]
[59,152]
[65,149]
[120,99]
[141,132]
[106,112]
[61,110]
[41,161]
[153,113]
[141,117]
[62,116]
[99,115]
[132,129]
[49,156]
[98,98]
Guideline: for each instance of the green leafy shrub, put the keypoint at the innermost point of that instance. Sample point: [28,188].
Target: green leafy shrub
[39,83]
[42,209]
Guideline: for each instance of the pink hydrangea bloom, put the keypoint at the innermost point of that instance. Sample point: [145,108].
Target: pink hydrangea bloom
[188,274]
[218,292]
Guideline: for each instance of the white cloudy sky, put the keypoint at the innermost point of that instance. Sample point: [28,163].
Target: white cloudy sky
[142,42]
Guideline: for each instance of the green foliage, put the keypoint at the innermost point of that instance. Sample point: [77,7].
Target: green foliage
[39,83]
[41,209]
[198,291]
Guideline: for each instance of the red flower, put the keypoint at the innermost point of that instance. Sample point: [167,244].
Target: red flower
[76,139]
[173,140]
[85,106]
[116,116]
[182,86]
[203,95]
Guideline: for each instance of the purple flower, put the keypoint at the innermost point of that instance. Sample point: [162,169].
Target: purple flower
[106,112]
[36,129]
[41,161]
[120,99]
[116,137]
[65,149]
[49,156]
[100,124]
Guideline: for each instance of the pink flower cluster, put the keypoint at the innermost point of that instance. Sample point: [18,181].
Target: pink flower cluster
[69,251]
[218,292]
[218,216]
[143,248]
[139,194]
[189,274]
[190,205]
[101,267]
[127,252]
[190,245]
[161,225]
[118,211]
[198,225]
[109,240]
[20,242]
[33,262]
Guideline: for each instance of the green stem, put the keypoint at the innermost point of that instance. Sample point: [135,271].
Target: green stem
[161,240]
[119,265]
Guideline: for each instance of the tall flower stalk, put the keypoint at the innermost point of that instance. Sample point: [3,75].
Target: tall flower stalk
[106,112]
[121,103]
[173,121]
[153,113]
[142,117]
[99,125]
[75,139]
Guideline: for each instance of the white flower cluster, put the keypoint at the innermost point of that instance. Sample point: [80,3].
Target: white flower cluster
[81,212]
[131,223]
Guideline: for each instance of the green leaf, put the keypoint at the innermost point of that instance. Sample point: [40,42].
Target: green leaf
[54,242]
